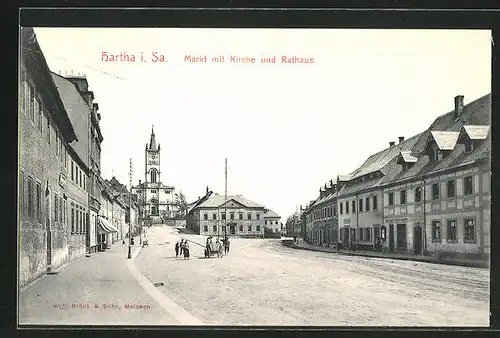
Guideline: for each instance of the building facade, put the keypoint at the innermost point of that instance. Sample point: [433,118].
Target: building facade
[45,134]
[213,214]
[428,195]
[157,201]
[272,221]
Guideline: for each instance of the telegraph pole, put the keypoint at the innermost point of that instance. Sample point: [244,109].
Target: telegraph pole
[130,212]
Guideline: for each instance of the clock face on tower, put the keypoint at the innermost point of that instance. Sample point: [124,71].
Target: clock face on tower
[153,156]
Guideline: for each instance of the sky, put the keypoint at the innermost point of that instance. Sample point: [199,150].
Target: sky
[285,128]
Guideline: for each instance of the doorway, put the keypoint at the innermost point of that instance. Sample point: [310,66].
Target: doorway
[417,239]
[401,237]
[232,229]
[391,237]
[47,228]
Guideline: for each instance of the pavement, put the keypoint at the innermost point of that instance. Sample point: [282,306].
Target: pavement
[398,256]
[97,290]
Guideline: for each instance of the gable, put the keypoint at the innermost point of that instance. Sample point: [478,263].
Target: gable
[232,203]
[445,140]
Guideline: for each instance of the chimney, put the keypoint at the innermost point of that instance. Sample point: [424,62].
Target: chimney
[392,143]
[139,182]
[459,105]
[401,139]
[207,189]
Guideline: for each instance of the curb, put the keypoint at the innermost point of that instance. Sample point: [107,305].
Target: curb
[174,310]
[478,264]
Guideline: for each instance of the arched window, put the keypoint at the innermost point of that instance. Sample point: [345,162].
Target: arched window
[153,175]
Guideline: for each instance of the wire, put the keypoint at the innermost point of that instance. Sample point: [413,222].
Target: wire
[84,65]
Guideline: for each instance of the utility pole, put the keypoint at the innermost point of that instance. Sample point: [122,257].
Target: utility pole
[130,212]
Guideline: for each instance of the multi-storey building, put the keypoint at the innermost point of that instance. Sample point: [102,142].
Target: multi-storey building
[157,200]
[213,214]
[429,194]
[438,201]
[272,221]
[105,227]
[320,216]
[78,103]
[45,133]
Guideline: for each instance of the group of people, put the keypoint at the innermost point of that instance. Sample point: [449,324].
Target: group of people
[182,248]
[223,244]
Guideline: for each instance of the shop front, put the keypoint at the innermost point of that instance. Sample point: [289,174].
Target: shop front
[105,232]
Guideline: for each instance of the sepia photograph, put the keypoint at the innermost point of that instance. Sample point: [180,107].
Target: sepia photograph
[254,177]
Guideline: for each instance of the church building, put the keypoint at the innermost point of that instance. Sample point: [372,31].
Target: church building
[156,200]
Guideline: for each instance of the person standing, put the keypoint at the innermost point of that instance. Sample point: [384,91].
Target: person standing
[181,247]
[177,247]
[226,246]
[186,250]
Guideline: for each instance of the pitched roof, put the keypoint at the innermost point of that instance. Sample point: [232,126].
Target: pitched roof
[445,140]
[476,132]
[216,200]
[271,214]
[378,161]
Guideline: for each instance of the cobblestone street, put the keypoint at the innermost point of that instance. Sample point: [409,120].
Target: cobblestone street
[261,282]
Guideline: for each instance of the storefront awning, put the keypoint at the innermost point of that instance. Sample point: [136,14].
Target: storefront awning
[105,226]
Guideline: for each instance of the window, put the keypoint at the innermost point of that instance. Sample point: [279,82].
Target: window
[469,146]
[346,207]
[402,195]
[368,235]
[76,220]
[470,230]
[153,191]
[367,206]
[418,194]
[48,128]
[241,228]
[451,188]
[80,182]
[452,230]
[391,198]
[265,222]
[72,219]
[61,147]
[21,193]
[375,206]
[223,215]
[258,228]
[39,201]
[231,215]
[205,217]
[360,205]
[249,228]
[40,120]
[360,234]
[205,228]
[86,221]
[60,210]
[23,90]
[31,107]
[81,221]
[72,170]
[468,185]
[258,216]
[56,200]
[65,220]
[436,231]
[353,207]
[214,228]
[435,191]
[30,197]
[240,215]
[214,216]
[341,208]
[249,216]
[383,232]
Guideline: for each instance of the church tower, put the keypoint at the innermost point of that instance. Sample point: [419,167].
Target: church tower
[152,160]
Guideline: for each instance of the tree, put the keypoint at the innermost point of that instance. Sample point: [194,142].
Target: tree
[180,200]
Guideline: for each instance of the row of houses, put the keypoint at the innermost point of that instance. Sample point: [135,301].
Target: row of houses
[214,214]
[66,210]
[426,195]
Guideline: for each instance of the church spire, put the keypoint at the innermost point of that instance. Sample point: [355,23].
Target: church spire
[152,142]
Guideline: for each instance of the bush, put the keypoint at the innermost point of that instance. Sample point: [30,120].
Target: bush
[268,233]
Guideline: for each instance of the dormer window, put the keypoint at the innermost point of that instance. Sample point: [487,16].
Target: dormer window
[469,146]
